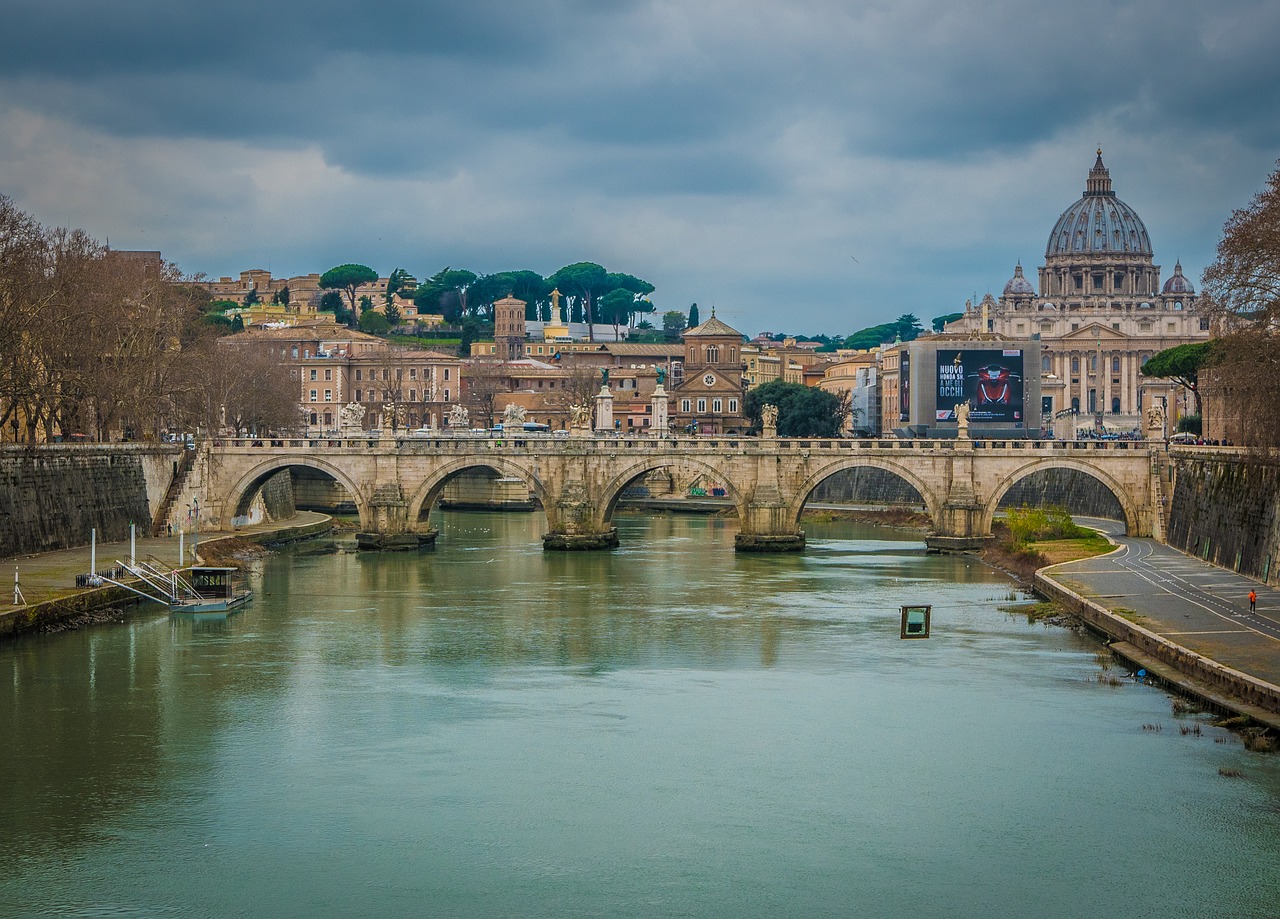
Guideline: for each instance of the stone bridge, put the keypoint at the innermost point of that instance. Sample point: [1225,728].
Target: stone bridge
[394,482]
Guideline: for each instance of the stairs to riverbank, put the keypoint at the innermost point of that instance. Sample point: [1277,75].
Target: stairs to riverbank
[161,517]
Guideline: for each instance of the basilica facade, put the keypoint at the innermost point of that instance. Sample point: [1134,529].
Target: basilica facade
[1100,311]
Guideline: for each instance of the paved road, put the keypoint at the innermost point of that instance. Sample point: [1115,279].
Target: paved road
[49,575]
[1197,605]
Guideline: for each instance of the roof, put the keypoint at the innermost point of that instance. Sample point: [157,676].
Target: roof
[712,326]
[660,349]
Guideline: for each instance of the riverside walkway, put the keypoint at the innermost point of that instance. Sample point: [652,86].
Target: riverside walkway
[52,575]
[1186,602]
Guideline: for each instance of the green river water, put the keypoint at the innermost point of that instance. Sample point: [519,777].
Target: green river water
[669,729]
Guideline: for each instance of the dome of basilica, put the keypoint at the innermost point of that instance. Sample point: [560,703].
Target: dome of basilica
[1178,284]
[1018,285]
[1099,223]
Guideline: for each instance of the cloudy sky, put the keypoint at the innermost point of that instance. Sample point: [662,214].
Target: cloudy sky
[813,166]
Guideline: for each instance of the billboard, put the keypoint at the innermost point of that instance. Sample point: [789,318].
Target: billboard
[904,385]
[989,379]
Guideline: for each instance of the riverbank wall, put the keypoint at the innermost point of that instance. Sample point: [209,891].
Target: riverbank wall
[52,496]
[1199,677]
[95,600]
[1226,510]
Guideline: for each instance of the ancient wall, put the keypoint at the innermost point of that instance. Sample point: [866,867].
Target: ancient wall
[1080,493]
[52,496]
[866,486]
[1225,510]
[277,496]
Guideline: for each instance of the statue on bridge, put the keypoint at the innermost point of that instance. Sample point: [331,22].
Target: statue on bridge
[351,417]
[579,417]
[513,416]
[1155,421]
[459,418]
[962,420]
[768,421]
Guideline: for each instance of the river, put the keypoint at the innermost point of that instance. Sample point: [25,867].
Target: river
[669,729]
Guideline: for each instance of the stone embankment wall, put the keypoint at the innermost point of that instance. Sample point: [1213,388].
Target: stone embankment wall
[1226,510]
[1078,492]
[51,497]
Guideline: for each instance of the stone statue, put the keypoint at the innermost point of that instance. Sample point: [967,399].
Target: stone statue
[579,416]
[459,417]
[513,416]
[351,416]
[1155,417]
[962,419]
[393,417]
[769,420]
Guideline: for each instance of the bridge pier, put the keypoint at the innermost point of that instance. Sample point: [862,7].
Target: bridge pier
[573,527]
[391,531]
[767,526]
[960,525]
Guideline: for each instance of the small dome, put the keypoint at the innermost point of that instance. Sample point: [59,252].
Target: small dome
[1178,284]
[1018,285]
[1099,223]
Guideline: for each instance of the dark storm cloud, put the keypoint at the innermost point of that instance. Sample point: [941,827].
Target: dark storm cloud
[921,132]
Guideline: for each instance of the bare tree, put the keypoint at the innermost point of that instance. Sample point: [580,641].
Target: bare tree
[486,380]
[1242,295]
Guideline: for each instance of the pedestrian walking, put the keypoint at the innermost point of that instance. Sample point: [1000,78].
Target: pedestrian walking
[1253,600]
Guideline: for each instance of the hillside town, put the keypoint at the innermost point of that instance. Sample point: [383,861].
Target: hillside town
[350,351]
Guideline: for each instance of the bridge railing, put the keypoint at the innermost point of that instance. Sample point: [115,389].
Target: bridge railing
[674,444]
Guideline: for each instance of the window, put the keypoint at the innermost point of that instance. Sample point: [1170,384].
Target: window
[702,406]
[328,373]
[313,396]
[446,373]
[313,373]
[1115,365]
[1079,279]
[1046,327]
[733,406]
[359,374]
[446,392]
[1075,365]
[713,354]
[1075,327]
[1204,323]
[1119,279]
[328,395]
[1097,282]
[1046,363]
[413,373]
[295,352]
[359,393]
[413,395]
[717,406]
[686,406]
[399,373]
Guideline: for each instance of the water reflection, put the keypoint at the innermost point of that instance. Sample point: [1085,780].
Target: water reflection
[489,729]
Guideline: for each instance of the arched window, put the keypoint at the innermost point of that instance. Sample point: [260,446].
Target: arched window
[1075,365]
[1115,365]
[713,354]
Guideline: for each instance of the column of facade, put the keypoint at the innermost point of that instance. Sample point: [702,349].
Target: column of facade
[1106,380]
[1124,383]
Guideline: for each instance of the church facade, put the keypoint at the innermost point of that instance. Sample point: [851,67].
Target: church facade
[1100,311]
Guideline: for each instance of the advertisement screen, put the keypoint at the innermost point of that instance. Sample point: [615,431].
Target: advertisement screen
[904,386]
[988,379]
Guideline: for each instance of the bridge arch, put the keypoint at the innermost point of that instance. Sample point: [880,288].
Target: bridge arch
[928,497]
[241,494]
[1009,480]
[428,492]
[612,492]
